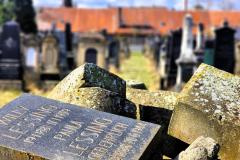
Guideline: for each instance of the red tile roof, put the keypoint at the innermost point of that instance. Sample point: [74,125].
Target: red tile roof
[161,20]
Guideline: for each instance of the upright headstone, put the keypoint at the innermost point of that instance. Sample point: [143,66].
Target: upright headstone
[163,65]
[69,46]
[187,60]
[10,57]
[200,44]
[31,54]
[63,66]
[157,48]
[113,54]
[173,52]
[209,52]
[224,57]
[50,70]
[32,127]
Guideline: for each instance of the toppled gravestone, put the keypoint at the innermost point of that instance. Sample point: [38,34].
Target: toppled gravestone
[209,105]
[136,84]
[94,88]
[90,75]
[33,127]
[98,99]
[154,106]
[157,107]
[201,149]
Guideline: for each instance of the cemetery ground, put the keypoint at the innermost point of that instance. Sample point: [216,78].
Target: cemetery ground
[137,67]
[140,68]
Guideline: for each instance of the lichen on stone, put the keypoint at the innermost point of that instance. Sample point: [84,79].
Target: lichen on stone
[215,92]
[162,99]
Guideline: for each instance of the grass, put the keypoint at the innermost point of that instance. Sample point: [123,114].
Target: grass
[139,68]
[8,95]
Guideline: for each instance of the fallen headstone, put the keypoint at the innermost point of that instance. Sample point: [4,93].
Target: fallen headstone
[157,107]
[90,75]
[98,99]
[151,103]
[201,149]
[209,105]
[33,127]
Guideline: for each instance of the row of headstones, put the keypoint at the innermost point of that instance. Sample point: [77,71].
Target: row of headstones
[50,56]
[218,52]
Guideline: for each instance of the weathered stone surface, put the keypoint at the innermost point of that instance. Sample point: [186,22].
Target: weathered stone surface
[90,75]
[157,107]
[99,99]
[201,149]
[135,84]
[209,106]
[160,99]
[33,127]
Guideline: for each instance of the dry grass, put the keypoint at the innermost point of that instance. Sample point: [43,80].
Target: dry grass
[8,95]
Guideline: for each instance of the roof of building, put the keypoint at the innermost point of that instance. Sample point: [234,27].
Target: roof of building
[160,20]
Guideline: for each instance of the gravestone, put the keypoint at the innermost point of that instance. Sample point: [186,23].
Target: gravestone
[224,57]
[173,52]
[209,106]
[35,127]
[157,48]
[209,52]
[31,54]
[69,46]
[63,66]
[163,61]
[157,107]
[113,54]
[50,58]
[200,44]
[91,56]
[187,61]
[10,57]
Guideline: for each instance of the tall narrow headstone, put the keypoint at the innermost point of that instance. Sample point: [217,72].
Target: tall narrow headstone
[173,52]
[187,60]
[69,46]
[61,37]
[10,57]
[200,44]
[163,65]
[224,57]
[113,54]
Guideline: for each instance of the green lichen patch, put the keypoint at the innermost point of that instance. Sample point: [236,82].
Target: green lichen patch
[89,75]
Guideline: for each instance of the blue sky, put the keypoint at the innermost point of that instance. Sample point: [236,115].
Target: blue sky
[177,4]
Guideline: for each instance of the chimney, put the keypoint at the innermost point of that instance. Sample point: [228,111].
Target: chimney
[120,17]
[67,3]
[186,5]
